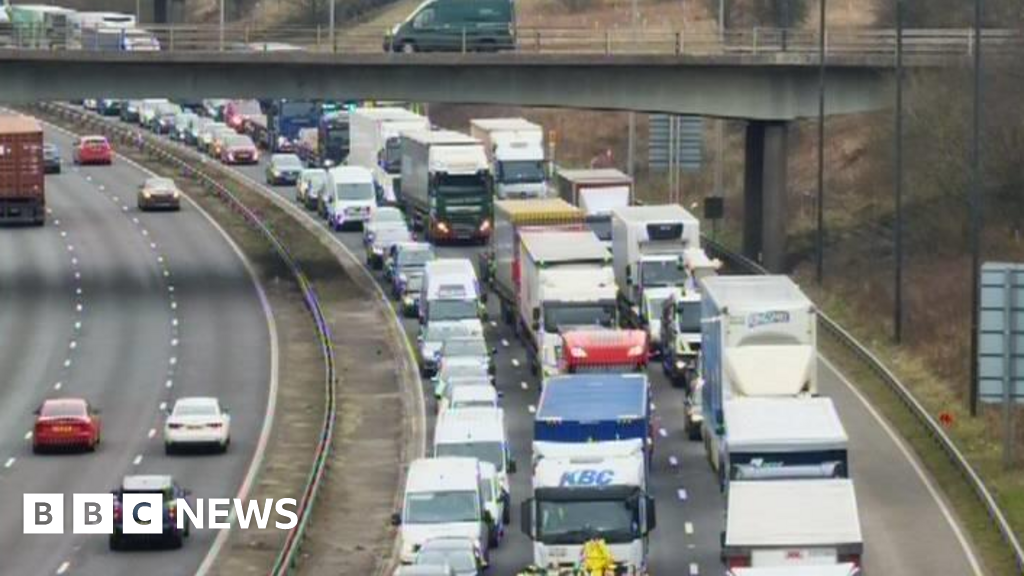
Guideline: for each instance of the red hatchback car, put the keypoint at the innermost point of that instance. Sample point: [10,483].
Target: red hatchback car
[66,423]
[92,150]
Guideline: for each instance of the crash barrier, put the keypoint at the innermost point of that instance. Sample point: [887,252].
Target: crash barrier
[287,557]
[919,45]
[871,362]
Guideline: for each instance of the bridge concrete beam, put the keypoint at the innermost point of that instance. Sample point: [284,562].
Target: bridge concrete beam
[740,88]
[765,193]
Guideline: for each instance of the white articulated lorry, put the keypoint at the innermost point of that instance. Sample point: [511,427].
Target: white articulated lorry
[375,144]
[515,148]
[649,244]
[759,338]
[590,490]
[566,281]
[792,524]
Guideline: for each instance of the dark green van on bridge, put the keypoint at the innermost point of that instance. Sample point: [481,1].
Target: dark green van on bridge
[455,26]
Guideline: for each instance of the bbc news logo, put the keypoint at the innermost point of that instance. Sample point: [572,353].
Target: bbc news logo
[144,513]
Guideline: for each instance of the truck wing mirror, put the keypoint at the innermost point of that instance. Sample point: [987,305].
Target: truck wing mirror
[512,466]
[396,519]
[536,314]
[526,517]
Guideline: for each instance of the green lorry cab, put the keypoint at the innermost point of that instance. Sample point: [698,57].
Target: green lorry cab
[455,26]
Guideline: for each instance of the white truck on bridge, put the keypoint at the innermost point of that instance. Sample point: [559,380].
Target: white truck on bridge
[375,144]
[515,149]
[759,339]
[792,523]
[566,281]
[584,491]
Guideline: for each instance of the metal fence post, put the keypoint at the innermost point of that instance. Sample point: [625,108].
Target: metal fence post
[679,43]
[463,39]
[317,37]
[755,39]
[170,31]
[607,42]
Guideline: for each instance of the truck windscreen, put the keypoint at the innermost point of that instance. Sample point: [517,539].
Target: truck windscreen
[662,273]
[461,184]
[298,109]
[558,317]
[576,521]
[521,172]
[689,316]
[442,507]
[392,160]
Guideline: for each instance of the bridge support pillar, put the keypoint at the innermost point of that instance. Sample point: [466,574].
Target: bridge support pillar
[764,193]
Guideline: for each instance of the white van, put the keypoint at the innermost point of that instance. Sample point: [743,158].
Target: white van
[351,197]
[470,396]
[496,502]
[476,433]
[451,284]
[442,498]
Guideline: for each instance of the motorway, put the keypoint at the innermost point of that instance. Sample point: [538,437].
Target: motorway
[908,530]
[130,311]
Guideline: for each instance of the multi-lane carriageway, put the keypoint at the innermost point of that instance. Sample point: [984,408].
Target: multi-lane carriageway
[908,528]
[130,311]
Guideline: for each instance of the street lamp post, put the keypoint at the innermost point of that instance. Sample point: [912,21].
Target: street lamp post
[975,204]
[897,319]
[820,235]
[220,35]
[331,16]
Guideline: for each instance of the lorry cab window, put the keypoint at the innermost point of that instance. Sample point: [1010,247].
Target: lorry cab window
[561,317]
[354,191]
[573,521]
[663,273]
[689,316]
[492,452]
[442,507]
[391,156]
[525,171]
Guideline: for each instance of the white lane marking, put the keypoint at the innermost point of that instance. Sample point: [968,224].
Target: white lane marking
[174,360]
[169,383]
[137,461]
[694,569]
[532,409]
[78,275]
[102,187]
[124,208]
[174,342]
[174,305]
[73,344]
[58,385]
[49,210]
[115,198]
[673,461]
[88,178]
[67,363]
[78,307]
[662,432]
[151,433]
[688,528]
[515,362]
[166,272]
[152,245]
[71,247]
[174,322]
[170,287]
[493,324]
[504,342]
[682,494]
[160,259]
[78,291]
[163,406]
[63,234]
[524,385]
[74,261]
[653,406]
[925,479]
[28,435]
[56,222]
[145,232]
[78,325]
[63,567]
[135,219]
[10,462]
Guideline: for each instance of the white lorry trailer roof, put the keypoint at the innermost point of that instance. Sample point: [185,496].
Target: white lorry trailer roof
[845,569]
[783,425]
[554,246]
[440,137]
[771,370]
[470,425]
[657,213]
[804,513]
[599,175]
[734,294]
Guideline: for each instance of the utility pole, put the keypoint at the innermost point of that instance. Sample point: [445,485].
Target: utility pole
[220,40]
[331,10]
[897,320]
[819,268]
[631,147]
[975,203]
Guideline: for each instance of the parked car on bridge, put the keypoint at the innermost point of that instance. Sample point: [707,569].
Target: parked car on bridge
[63,423]
[157,192]
[195,422]
[92,150]
[164,485]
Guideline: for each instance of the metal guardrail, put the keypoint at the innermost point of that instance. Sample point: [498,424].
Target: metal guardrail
[287,558]
[871,362]
[918,44]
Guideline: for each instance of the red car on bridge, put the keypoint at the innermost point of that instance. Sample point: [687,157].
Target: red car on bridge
[64,423]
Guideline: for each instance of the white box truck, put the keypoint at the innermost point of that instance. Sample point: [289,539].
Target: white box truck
[597,191]
[515,149]
[566,281]
[592,491]
[649,244]
[783,438]
[758,339]
[792,523]
[375,144]
[446,185]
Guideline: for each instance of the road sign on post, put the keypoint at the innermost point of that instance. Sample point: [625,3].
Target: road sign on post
[1001,343]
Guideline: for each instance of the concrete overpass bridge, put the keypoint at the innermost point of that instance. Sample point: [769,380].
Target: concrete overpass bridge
[769,89]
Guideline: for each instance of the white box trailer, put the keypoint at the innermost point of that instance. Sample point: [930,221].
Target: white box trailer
[565,280]
[375,143]
[515,149]
[783,438]
[758,338]
[649,243]
[792,523]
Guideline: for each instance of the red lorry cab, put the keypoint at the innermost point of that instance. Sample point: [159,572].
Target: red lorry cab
[603,350]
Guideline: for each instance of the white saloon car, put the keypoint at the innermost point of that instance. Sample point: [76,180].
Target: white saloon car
[197,421]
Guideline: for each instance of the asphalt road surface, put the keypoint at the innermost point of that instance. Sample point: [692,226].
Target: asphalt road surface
[130,311]
[908,530]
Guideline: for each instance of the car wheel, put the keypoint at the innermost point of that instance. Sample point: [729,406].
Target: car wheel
[408,48]
[115,542]
[168,448]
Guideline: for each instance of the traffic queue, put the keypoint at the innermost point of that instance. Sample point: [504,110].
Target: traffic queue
[596,287]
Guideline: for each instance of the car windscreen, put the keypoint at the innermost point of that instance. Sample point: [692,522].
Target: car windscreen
[442,506]
[62,410]
[460,561]
[288,162]
[485,451]
[663,273]
[452,310]
[689,316]
[414,257]
[556,317]
[522,171]
[354,191]
[195,410]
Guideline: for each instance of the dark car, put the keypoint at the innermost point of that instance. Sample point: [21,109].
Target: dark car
[130,110]
[170,492]
[283,169]
[107,107]
[458,554]
[159,193]
[51,158]
[455,26]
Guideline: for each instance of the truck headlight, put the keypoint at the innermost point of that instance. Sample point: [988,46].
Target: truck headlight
[680,365]
[635,350]
[577,352]
[485,226]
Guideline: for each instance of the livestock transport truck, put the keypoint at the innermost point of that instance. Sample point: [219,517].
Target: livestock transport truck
[759,339]
[446,185]
[22,181]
